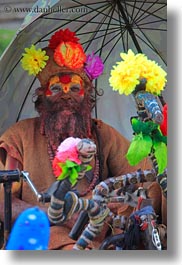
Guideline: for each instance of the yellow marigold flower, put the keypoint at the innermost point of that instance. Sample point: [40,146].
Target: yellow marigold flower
[34,60]
[156,78]
[126,74]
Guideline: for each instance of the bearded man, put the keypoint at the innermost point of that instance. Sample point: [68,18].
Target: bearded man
[64,103]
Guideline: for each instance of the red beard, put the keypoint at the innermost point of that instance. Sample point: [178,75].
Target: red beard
[62,117]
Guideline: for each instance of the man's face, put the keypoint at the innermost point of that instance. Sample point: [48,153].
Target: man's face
[65,109]
[71,85]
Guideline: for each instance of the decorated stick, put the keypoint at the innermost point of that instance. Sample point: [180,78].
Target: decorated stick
[97,209]
[145,80]
[70,164]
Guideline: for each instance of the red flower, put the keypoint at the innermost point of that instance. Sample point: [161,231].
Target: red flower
[70,54]
[163,125]
[62,35]
[56,168]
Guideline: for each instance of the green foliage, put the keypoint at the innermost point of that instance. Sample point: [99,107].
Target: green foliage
[144,127]
[140,147]
[70,170]
[147,139]
[160,152]
[6,35]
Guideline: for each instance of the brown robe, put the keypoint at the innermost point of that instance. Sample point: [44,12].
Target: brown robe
[24,142]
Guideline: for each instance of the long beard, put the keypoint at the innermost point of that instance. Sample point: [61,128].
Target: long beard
[61,119]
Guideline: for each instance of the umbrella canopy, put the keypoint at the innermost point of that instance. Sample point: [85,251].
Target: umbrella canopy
[106,28]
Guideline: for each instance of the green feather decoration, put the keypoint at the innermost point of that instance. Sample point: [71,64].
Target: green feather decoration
[160,152]
[139,148]
[144,127]
[147,139]
[71,170]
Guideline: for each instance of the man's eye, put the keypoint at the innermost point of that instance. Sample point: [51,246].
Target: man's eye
[75,88]
[55,88]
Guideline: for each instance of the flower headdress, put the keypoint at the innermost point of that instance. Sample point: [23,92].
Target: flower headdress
[64,52]
[127,74]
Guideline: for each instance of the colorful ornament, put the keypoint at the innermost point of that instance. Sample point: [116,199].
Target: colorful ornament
[93,66]
[128,73]
[70,54]
[34,60]
[62,35]
[66,163]
[163,126]
[146,140]
[31,231]
[67,53]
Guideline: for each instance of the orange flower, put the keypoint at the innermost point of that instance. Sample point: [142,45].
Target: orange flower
[70,54]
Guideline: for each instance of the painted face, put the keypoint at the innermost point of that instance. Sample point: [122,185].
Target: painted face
[65,84]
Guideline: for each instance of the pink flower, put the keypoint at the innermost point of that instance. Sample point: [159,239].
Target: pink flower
[68,151]
[93,66]
[68,143]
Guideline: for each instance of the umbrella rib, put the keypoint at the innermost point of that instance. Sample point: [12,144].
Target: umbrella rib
[68,22]
[128,26]
[92,9]
[10,72]
[164,30]
[147,11]
[144,11]
[103,41]
[149,23]
[151,46]
[122,34]
[153,14]
[77,20]
[98,29]
[112,47]
[133,10]
[100,24]
[126,11]
[25,98]
[98,37]
[91,4]
[138,8]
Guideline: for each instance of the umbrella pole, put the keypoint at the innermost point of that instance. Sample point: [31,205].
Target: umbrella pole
[128,26]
